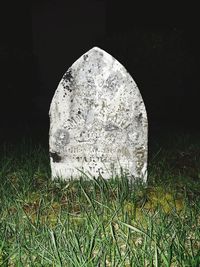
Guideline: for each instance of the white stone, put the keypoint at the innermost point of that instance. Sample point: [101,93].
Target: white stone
[98,121]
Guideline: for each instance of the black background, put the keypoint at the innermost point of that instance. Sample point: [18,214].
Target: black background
[41,40]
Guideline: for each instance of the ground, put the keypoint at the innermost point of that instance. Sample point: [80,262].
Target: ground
[98,222]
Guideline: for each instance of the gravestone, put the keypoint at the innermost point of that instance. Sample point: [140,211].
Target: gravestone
[98,121]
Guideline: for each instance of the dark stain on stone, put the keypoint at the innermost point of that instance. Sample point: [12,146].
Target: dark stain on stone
[85,57]
[68,78]
[79,112]
[68,88]
[55,156]
[139,118]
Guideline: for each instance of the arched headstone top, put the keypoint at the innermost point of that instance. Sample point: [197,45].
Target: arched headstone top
[98,121]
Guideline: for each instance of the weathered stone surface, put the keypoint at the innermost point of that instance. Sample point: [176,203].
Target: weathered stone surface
[98,121]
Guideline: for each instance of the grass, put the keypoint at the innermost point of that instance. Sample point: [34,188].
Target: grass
[98,222]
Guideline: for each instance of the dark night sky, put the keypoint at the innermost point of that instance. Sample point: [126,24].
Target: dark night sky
[39,42]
